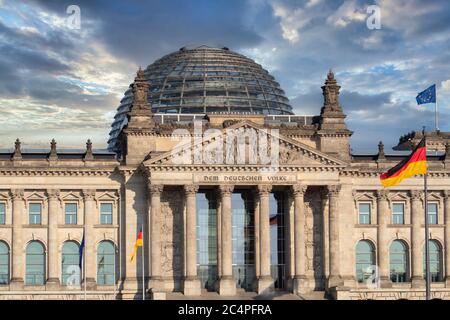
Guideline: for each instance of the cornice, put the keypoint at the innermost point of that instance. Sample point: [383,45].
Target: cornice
[55,172]
[240,168]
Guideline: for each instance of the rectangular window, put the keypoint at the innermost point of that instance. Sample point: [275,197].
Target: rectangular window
[398,213]
[35,211]
[2,213]
[71,213]
[364,213]
[432,213]
[106,211]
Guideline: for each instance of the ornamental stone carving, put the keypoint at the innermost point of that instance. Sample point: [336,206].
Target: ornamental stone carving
[190,189]
[264,189]
[416,195]
[155,189]
[226,189]
[446,194]
[17,194]
[299,189]
[88,194]
[382,195]
[53,194]
[333,190]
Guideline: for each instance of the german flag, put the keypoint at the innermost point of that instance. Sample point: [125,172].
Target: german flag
[137,244]
[415,164]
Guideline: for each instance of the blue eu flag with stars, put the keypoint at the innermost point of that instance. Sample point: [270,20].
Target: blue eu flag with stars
[427,96]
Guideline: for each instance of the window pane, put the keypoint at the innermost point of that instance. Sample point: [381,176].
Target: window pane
[70,264]
[432,213]
[35,213]
[105,263]
[364,213]
[4,263]
[365,259]
[106,213]
[71,213]
[398,260]
[35,264]
[398,213]
[2,213]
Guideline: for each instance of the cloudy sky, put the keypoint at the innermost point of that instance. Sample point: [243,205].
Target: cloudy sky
[64,83]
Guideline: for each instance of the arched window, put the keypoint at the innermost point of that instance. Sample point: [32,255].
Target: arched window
[70,270]
[398,260]
[35,264]
[435,261]
[106,263]
[4,263]
[365,259]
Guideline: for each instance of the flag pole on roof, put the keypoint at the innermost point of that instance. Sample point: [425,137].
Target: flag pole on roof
[429,96]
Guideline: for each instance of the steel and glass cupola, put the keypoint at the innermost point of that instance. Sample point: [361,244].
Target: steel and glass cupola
[207,80]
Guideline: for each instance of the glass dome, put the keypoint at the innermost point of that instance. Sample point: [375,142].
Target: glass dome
[207,80]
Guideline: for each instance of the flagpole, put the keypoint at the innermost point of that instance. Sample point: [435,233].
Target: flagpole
[427,244]
[143,261]
[84,261]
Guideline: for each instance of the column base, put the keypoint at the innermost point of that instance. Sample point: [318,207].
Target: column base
[192,287]
[417,282]
[53,284]
[265,285]
[227,286]
[156,294]
[300,285]
[334,281]
[447,282]
[155,283]
[90,284]
[16,284]
[385,282]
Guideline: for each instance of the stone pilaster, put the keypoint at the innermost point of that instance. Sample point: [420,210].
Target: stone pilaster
[447,236]
[417,237]
[227,285]
[334,279]
[191,282]
[52,245]
[265,281]
[383,215]
[17,254]
[154,235]
[300,281]
[89,238]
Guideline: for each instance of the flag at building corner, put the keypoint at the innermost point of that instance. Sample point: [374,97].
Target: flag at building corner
[137,244]
[415,164]
[81,252]
[427,96]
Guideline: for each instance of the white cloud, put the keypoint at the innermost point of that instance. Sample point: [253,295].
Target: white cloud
[446,85]
[291,20]
[347,13]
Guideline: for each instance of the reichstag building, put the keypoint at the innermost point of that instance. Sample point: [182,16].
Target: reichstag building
[235,195]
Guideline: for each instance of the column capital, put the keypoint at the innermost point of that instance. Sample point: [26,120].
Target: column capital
[416,195]
[53,194]
[88,194]
[333,190]
[382,195]
[155,189]
[299,189]
[226,189]
[17,194]
[190,189]
[263,189]
[446,194]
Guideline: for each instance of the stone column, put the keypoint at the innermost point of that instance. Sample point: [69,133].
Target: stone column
[227,285]
[18,250]
[154,236]
[89,238]
[447,236]
[334,279]
[383,215]
[53,243]
[265,281]
[300,281]
[417,239]
[191,282]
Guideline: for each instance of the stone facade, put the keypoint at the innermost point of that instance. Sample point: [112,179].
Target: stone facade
[150,188]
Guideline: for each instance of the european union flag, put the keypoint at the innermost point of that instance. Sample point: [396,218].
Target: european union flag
[427,96]
[81,252]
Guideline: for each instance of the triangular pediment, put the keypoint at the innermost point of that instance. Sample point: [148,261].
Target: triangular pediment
[245,144]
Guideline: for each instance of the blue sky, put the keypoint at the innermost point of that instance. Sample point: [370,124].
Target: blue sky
[57,82]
